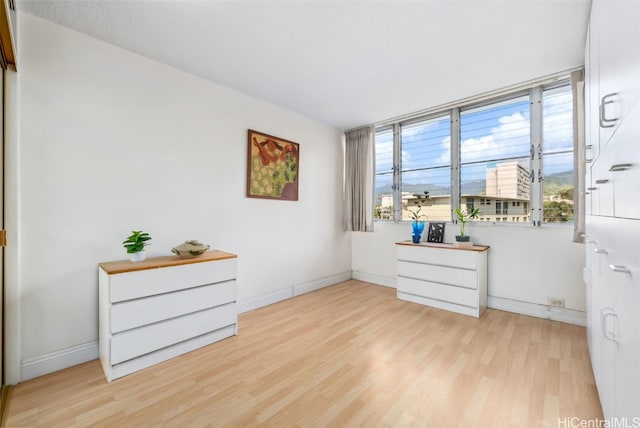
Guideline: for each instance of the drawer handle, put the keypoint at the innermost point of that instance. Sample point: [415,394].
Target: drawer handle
[592,188]
[602,181]
[600,251]
[619,268]
[620,167]
[604,121]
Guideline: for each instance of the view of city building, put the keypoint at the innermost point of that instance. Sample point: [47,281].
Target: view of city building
[506,198]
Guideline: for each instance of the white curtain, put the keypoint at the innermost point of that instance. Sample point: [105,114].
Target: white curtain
[577,86]
[358,180]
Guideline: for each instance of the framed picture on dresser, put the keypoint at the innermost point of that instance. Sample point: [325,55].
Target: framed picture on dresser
[436,232]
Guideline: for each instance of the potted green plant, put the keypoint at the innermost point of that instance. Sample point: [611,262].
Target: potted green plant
[463,218]
[418,226]
[135,245]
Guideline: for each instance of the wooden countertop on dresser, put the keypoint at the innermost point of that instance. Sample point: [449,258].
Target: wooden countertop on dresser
[123,266]
[445,246]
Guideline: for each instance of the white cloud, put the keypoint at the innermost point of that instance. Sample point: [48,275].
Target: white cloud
[509,138]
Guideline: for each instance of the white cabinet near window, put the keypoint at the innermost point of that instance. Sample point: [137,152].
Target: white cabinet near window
[612,272]
[164,307]
[443,276]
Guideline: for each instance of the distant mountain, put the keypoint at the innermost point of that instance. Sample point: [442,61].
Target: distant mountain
[474,187]
[433,189]
[561,178]
[553,185]
[557,183]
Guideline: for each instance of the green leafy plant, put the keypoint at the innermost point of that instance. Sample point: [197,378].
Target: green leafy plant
[415,215]
[465,216]
[136,242]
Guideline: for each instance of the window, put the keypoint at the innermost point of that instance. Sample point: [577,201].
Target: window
[426,167]
[557,155]
[494,150]
[515,150]
[383,209]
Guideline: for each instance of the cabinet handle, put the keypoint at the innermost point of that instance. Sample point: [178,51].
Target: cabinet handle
[604,313]
[592,188]
[620,167]
[602,181]
[600,251]
[619,268]
[604,121]
[587,159]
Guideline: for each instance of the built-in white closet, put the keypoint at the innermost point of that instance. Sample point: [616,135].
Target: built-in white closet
[612,272]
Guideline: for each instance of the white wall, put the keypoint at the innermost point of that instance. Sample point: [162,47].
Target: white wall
[526,264]
[110,142]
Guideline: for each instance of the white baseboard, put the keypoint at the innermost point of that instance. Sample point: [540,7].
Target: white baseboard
[252,303]
[569,316]
[54,361]
[374,279]
[317,284]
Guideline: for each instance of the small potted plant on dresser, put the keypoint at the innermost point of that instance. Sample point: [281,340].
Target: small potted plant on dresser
[418,226]
[463,218]
[135,245]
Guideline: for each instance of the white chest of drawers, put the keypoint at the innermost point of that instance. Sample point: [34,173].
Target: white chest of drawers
[164,307]
[443,276]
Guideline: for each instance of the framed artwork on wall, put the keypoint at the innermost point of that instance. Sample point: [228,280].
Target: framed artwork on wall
[273,167]
[436,232]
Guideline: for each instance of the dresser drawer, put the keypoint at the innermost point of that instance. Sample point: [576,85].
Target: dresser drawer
[143,283]
[440,274]
[139,312]
[440,292]
[438,256]
[140,341]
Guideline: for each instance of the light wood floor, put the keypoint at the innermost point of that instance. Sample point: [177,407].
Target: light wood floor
[346,355]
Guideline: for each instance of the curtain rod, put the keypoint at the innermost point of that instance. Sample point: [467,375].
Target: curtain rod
[475,98]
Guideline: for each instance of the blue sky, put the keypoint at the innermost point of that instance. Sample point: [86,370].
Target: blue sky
[487,133]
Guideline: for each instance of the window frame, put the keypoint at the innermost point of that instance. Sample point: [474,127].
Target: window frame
[454,110]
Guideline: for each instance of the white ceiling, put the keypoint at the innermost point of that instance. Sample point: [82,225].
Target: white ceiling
[344,63]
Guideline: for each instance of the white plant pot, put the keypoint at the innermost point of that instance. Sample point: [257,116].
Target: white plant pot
[137,257]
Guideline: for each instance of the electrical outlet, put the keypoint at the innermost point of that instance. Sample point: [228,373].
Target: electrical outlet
[555,302]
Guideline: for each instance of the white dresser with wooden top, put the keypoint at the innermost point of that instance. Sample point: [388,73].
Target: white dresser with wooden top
[443,276]
[163,307]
